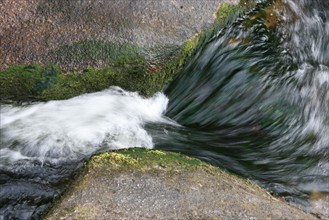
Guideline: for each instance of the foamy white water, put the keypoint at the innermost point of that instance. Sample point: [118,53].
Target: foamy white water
[111,119]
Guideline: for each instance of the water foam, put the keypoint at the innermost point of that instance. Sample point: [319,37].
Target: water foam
[111,119]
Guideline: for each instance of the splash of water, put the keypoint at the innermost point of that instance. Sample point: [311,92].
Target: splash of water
[66,130]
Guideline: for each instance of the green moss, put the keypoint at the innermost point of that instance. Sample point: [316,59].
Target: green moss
[113,159]
[225,11]
[153,161]
[25,82]
[140,159]
[126,67]
[33,82]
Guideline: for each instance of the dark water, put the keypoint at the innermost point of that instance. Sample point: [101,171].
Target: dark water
[260,109]
[253,101]
[257,104]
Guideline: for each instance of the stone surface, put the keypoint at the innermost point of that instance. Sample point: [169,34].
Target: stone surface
[30,29]
[143,184]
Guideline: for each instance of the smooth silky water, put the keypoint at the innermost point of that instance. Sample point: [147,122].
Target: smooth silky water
[249,101]
[258,104]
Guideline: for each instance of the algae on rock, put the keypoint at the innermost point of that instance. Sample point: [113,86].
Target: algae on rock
[147,184]
[127,67]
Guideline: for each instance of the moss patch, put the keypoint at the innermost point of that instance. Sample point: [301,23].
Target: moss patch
[25,82]
[133,78]
[140,159]
[225,11]
[33,82]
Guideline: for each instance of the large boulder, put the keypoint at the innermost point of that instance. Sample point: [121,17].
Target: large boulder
[43,31]
[101,43]
[148,184]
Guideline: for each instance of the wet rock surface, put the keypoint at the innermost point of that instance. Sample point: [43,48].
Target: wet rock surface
[144,184]
[30,30]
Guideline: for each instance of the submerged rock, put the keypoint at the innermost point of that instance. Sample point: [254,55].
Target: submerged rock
[148,184]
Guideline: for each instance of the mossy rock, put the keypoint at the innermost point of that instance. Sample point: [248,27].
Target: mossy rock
[129,71]
[33,82]
[133,78]
[143,160]
[151,184]
[25,82]
[126,67]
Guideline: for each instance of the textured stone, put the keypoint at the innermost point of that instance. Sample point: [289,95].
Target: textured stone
[30,29]
[144,184]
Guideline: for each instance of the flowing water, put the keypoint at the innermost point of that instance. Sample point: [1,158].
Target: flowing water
[250,101]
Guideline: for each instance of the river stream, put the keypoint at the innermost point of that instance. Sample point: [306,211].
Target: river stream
[252,101]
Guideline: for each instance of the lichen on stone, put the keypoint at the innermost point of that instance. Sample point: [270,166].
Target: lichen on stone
[113,158]
[160,184]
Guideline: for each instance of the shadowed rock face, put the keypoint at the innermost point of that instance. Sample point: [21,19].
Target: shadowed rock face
[142,184]
[29,29]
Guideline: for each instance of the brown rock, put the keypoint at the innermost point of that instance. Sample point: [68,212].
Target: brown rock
[139,184]
[29,29]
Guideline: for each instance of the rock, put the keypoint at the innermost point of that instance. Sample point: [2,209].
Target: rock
[95,42]
[30,31]
[148,184]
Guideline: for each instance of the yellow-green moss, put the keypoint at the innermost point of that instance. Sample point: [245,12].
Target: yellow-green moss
[113,159]
[143,160]
[24,82]
[157,152]
[34,82]
[226,10]
[140,159]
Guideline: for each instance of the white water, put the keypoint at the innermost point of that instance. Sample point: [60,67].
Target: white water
[308,28]
[61,130]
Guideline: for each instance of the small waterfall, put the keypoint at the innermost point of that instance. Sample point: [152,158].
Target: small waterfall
[256,101]
[81,126]
[251,100]
[43,144]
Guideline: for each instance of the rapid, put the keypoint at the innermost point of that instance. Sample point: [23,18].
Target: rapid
[251,100]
